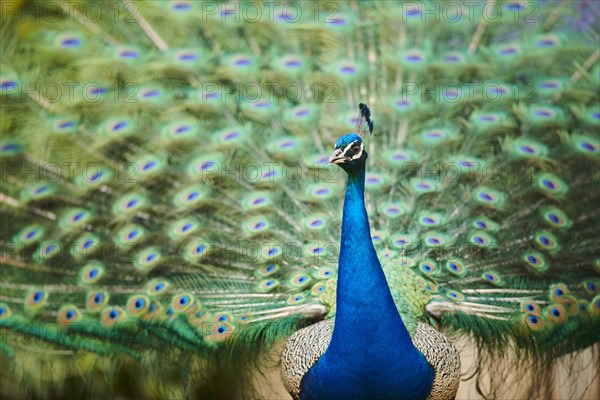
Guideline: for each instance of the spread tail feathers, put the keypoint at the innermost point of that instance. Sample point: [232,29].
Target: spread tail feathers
[168,209]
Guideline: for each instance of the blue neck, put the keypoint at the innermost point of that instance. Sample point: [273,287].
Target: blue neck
[363,296]
[371,354]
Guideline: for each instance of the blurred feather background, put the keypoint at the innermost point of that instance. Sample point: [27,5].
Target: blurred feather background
[179,94]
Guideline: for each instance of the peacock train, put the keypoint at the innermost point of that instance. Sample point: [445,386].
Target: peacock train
[327,196]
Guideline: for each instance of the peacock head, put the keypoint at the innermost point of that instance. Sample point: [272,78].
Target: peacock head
[349,153]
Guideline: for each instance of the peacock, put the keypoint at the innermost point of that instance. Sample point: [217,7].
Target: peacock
[188,185]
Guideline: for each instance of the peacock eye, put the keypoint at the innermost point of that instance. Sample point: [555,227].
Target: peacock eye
[354,150]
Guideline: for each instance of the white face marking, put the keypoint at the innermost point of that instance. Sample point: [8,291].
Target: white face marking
[357,156]
[339,155]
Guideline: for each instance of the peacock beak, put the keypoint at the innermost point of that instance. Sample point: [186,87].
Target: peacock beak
[338,157]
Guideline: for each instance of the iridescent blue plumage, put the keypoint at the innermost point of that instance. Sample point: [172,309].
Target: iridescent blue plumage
[370,343]
[346,140]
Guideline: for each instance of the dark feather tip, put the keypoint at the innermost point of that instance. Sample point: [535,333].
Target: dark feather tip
[364,111]
[366,114]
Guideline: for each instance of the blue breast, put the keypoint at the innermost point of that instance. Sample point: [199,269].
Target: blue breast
[375,372]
